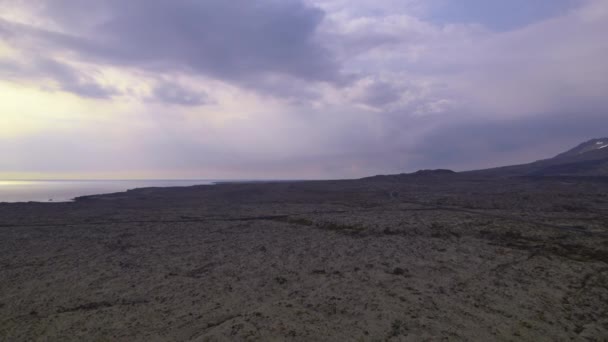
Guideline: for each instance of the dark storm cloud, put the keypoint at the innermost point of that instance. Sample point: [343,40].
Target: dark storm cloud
[229,40]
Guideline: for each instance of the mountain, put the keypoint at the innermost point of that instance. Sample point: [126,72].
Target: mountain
[589,146]
[587,159]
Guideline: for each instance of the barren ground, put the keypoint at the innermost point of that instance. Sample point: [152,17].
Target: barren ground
[379,260]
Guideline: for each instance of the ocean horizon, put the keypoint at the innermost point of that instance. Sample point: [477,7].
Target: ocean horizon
[41,190]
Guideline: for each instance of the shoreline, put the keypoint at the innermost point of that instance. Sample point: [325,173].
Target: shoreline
[30,185]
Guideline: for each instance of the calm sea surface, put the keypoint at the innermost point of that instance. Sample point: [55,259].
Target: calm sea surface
[58,191]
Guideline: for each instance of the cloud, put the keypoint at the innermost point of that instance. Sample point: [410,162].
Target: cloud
[176,94]
[66,77]
[498,15]
[73,81]
[325,88]
[235,40]
[494,15]
[379,94]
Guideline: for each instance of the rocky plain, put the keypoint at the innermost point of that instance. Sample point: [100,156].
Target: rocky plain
[424,257]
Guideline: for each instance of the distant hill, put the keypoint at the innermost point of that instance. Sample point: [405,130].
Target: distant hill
[418,174]
[587,159]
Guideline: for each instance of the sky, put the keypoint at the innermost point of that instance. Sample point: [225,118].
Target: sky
[295,89]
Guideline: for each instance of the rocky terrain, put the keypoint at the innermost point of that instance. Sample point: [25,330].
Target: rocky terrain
[436,258]
[434,255]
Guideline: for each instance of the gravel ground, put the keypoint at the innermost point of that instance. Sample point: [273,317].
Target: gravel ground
[409,259]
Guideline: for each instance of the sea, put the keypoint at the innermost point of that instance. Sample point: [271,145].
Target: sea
[67,190]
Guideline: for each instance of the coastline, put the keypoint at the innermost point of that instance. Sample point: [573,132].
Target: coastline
[44,191]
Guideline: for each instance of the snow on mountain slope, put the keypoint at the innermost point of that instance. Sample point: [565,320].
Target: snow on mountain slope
[587,159]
